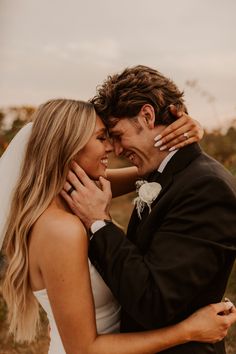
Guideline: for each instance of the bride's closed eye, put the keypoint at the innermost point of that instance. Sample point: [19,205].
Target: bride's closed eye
[102,137]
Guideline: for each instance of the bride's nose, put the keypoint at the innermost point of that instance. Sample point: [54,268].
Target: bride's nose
[109,146]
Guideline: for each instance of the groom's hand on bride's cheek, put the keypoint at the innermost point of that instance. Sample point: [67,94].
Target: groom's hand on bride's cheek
[85,198]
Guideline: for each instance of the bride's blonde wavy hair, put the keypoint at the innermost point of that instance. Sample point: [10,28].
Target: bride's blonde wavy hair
[60,130]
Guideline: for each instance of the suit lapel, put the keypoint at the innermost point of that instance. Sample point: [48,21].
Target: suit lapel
[179,162]
[133,224]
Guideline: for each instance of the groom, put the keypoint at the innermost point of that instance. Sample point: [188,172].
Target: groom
[178,256]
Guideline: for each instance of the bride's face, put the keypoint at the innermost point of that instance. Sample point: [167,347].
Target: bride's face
[93,158]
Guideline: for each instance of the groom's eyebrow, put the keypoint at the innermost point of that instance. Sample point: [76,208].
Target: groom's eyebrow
[114,132]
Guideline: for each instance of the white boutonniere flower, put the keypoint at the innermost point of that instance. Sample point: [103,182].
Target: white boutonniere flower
[147,193]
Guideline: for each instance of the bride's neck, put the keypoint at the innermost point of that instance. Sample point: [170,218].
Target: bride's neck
[59,203]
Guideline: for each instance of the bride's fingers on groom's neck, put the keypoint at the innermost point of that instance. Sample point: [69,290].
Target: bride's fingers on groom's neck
[173,110]
[173,128]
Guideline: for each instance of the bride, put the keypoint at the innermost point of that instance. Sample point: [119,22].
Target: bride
[46,246]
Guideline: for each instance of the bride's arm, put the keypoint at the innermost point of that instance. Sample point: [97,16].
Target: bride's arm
[65,271]
[122,180]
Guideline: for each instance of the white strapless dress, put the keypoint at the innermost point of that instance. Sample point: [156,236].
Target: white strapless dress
[106,307]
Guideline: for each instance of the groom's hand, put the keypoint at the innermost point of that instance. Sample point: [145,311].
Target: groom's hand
[86,199]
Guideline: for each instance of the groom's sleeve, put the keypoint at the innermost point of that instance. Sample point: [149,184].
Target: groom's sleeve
[194,243]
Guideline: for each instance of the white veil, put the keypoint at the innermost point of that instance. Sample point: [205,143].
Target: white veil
[10,167]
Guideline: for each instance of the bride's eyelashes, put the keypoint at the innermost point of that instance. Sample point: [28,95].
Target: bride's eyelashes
[102,138]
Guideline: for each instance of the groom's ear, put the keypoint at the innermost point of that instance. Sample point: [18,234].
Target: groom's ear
[148,115]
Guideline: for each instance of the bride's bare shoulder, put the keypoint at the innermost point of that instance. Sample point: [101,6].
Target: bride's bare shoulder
[58,242]
[56,226]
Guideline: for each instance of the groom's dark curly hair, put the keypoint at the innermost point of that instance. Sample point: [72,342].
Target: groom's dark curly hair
[123,95]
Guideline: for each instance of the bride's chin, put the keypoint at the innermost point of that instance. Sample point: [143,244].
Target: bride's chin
[95,177]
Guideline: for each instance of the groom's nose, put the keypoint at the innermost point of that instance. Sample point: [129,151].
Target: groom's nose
[118,149]
[109,146]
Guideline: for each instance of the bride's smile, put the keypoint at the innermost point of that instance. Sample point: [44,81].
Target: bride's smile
[93,158]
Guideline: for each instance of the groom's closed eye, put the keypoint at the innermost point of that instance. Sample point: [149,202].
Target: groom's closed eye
[115,137]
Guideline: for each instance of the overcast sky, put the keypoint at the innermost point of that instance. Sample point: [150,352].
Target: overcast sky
[58,48]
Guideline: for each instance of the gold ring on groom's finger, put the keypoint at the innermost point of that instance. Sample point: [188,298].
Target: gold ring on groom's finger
[186,135]
[70,190]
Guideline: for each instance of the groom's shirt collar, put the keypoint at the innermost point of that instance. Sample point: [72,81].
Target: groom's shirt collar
[166,160]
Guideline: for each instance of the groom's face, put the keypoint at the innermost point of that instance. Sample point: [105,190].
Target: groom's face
[133,139]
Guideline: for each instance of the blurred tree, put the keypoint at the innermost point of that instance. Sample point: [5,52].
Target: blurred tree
[11,120]
[222,147]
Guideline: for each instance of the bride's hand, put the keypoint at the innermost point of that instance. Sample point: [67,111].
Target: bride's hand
[184,131]
[210,324]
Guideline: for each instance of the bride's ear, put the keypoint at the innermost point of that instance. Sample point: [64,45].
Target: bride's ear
[148,114]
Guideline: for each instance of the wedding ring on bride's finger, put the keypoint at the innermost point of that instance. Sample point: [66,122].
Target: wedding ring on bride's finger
[186,135]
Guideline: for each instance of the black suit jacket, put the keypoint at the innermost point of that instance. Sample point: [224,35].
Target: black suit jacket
[177,258]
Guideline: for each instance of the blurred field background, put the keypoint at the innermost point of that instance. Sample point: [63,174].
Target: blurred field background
[219,144]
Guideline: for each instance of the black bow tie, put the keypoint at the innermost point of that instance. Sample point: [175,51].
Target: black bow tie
[154,175]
